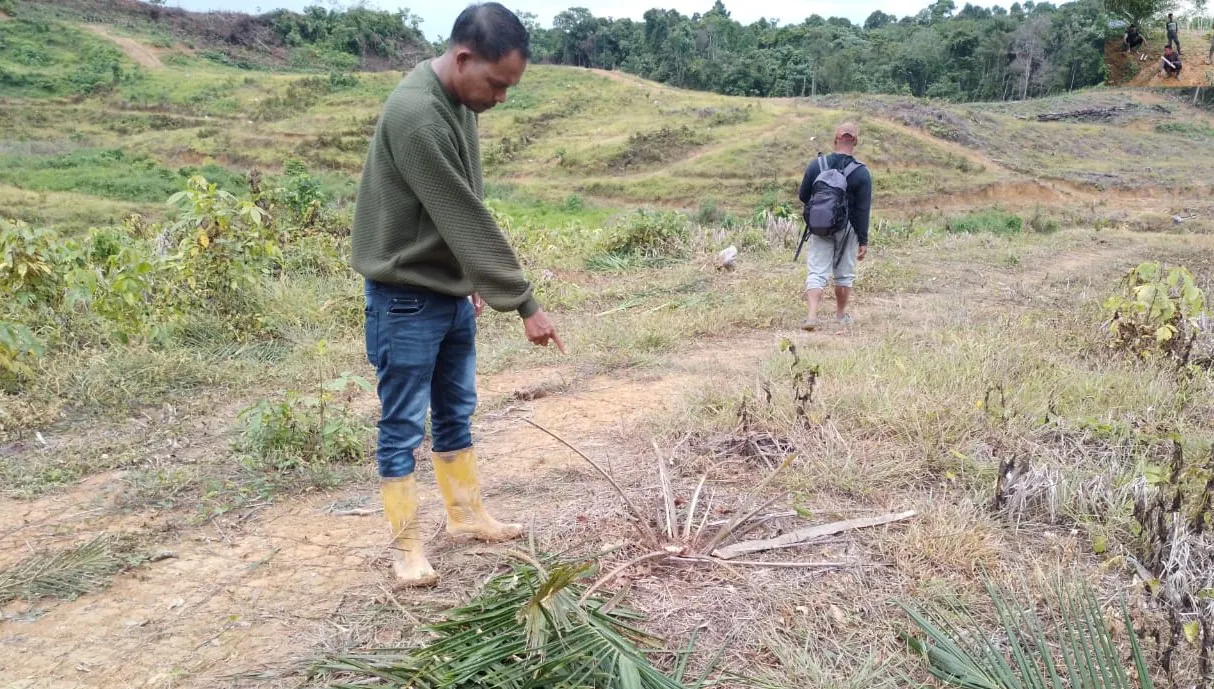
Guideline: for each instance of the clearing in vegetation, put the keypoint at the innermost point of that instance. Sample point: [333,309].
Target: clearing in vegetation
[1016,433]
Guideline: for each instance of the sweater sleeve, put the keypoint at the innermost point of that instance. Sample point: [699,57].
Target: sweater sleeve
[429,161]
[862,198]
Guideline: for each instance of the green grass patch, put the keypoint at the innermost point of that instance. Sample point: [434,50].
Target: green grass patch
[108,173]
[53,59]
[986,222]
[1198,131]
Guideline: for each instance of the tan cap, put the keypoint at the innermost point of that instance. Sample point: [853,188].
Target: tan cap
[848,129]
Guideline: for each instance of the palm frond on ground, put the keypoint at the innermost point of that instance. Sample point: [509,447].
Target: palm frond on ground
[64,574]
[531,627]
[962,652]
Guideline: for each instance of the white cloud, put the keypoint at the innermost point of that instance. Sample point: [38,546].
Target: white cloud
[438,16]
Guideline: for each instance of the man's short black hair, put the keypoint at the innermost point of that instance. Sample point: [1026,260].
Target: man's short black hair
[491,31]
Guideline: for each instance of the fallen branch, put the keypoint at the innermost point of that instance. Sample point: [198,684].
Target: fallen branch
[807,534]
[739,518]
[1085,113]
[756,563]
[619,570]
[357,512]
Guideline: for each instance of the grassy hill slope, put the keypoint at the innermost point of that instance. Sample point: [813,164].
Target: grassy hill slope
[77,94]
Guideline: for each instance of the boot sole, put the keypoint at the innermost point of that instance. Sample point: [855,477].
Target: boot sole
[477,536]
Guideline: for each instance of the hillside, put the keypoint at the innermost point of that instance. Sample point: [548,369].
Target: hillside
[605,136]
[188,496]
[323,39]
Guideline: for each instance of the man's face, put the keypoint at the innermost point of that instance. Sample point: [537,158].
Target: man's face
[482,84]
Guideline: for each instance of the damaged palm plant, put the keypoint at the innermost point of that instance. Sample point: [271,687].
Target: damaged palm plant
[1175,549]
[1074,649]
[537,625]
[747,439]
[693,537]
[685,532]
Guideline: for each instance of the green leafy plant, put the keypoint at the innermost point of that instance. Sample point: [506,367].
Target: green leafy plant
[649,234]
[18,348]
[990,221]
[533,626]
[226,247]
[301,193]
[1159,310]
[304,430]
[961,652]
[80,292]
[28,259]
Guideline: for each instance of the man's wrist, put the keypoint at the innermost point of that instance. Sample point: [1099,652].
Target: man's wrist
[528,308]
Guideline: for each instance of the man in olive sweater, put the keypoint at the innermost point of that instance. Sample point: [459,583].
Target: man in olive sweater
[432,257]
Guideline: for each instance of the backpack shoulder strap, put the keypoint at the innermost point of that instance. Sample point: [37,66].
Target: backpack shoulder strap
[852,167]
[822,166]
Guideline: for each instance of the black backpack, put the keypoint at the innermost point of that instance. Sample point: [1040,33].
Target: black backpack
[826,212]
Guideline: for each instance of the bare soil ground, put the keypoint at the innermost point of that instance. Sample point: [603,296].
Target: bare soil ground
[142,55]
[249,596]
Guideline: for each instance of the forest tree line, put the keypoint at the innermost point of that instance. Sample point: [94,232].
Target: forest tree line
[1028,50]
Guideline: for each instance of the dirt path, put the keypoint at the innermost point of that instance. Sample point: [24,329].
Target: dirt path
[139,53]
[238,591]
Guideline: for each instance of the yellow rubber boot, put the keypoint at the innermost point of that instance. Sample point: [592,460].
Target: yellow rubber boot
[461,491]
[409,562]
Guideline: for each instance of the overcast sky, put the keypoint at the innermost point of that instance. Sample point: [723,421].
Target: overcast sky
[439,15]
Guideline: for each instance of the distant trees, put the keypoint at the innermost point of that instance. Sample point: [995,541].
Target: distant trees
[357,31]
[1029,50]
[1137,10]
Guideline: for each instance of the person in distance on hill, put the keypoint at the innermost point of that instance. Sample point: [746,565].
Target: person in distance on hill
[1133,39]
[1173,30]
[433,257]
[843,238]
[1170,63]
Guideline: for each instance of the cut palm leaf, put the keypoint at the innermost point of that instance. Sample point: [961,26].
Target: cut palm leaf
[528,628]
[961,652]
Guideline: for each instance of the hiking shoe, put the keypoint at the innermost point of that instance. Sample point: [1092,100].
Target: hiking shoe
[810,324]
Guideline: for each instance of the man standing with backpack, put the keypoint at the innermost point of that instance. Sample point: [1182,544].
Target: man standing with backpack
[837,193]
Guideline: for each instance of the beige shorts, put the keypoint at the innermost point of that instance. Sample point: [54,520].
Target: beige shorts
[821,260]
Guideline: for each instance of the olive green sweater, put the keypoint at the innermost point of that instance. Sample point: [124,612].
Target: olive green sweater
[420,219]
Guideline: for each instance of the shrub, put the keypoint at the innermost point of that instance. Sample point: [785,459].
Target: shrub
[300,431]
[1043,224]
[650,234]
[300,193]
[225,246]
[992,222]
[86,292]
[1159,311]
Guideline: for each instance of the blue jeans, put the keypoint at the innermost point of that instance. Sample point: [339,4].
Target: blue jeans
[423,347]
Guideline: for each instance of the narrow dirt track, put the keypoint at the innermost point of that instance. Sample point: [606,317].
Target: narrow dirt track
[140,54]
